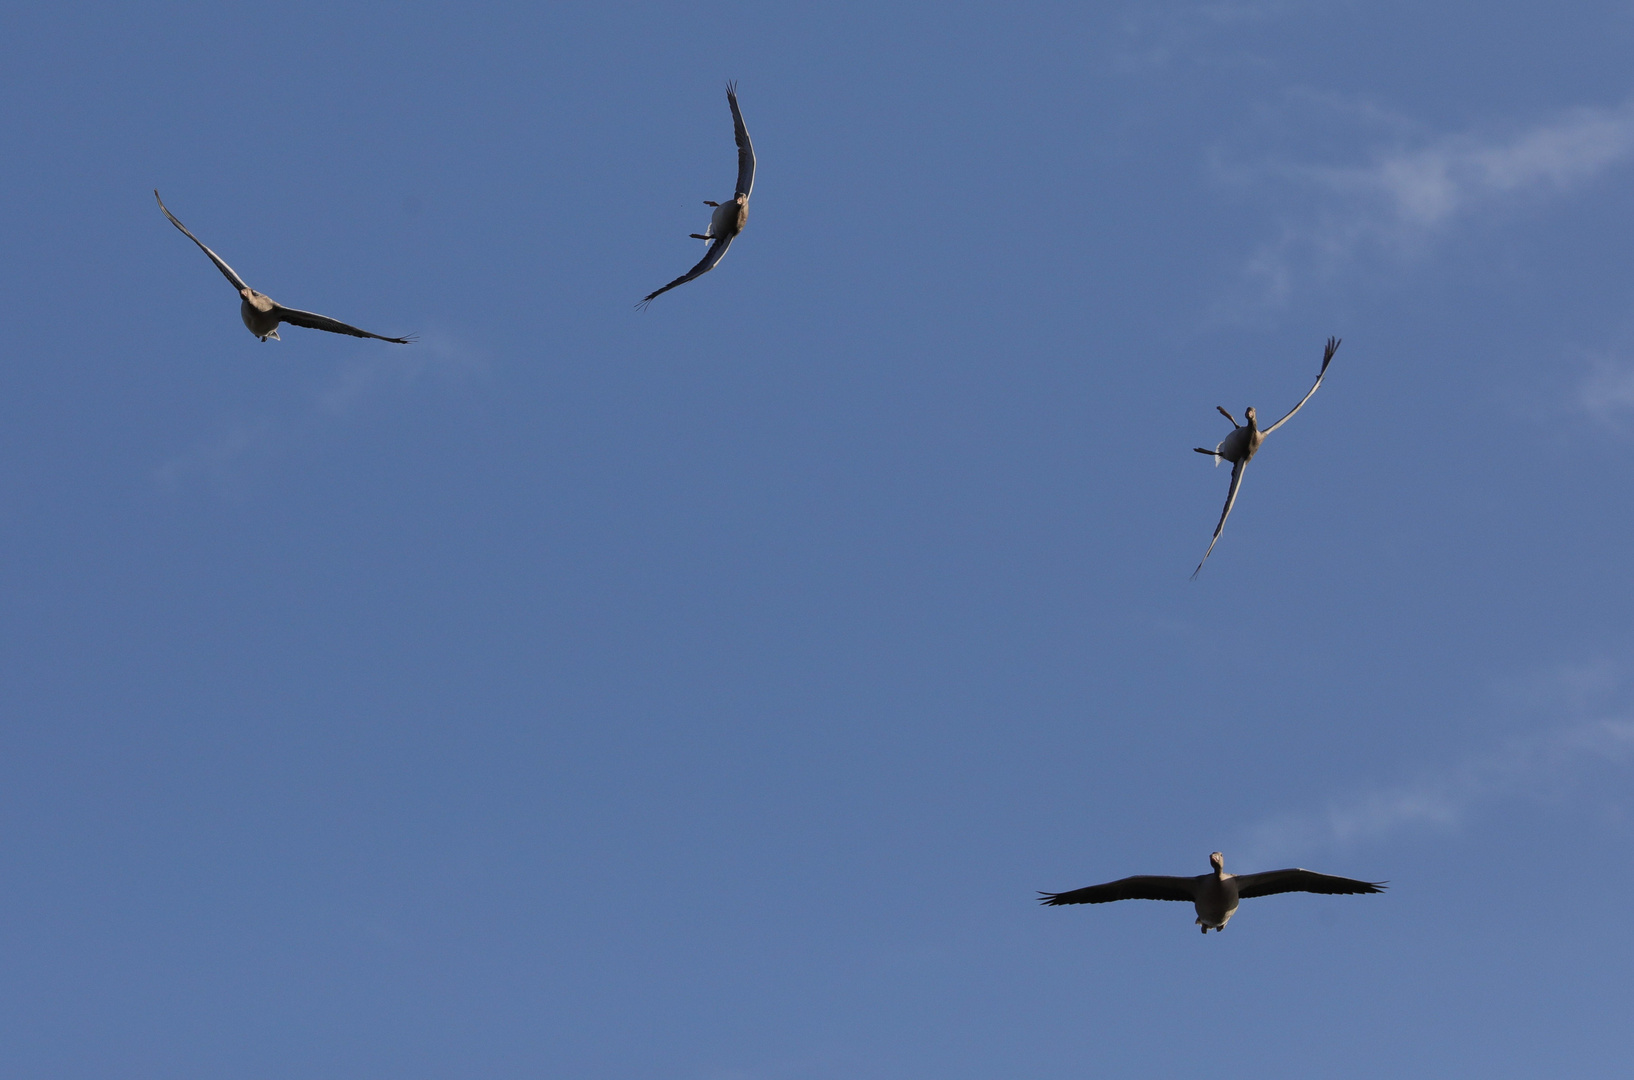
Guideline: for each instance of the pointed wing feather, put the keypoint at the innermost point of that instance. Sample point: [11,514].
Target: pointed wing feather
[1327,357]
[1143,887]
[705,265]
[313,321]
[1237,470]
[746,149]
[1272,882]
[227,271]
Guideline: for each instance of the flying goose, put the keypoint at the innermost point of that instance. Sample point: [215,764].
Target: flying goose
[729,217]
[1214,895]
[1243,443]
[261,313]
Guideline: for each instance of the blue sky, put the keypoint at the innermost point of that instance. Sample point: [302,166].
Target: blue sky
[705,692]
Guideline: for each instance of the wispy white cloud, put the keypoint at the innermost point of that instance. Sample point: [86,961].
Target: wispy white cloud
[1553,761]
[1607,392]
[218,459]
[1158,35]
[215,460]
[1419,187]
[1427,186]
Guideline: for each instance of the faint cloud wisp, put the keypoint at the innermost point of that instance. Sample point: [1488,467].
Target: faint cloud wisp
[1538,765]
[1607,392]
[1428,186]
[217,461]
[1407,195]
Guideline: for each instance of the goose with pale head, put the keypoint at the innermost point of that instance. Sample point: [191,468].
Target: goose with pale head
[729,217]
[1244,442]
[260,312]
[1215,895]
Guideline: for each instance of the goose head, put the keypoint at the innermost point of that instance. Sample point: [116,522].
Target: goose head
[1217,861]
[1249,412]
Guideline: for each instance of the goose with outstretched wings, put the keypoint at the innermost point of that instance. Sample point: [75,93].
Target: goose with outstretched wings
[1244,442]
[1214,895]
[260,312]
[729,217]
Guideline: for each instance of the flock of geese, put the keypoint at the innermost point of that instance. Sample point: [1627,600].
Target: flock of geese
[1214,895]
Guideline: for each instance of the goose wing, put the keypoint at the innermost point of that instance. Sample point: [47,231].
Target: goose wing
[313,321]
[746,149]
[1327,357]
[1272,882]
[705,265]
[227,271]
[1142,887]
[1237,469]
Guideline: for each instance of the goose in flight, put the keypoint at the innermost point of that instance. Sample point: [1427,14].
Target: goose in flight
[1243,443]
[729,217]
[1215,894]
[261,313]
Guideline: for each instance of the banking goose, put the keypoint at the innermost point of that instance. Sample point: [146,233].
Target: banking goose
[1243,443]
[261,313]
[729,217]
[1214,894]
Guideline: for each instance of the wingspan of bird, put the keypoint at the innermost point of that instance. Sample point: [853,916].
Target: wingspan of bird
[1140,887]
[228,272]
[705,265]
[1237,471]
[1271,882]
[746,184]
[313,321]
[1327,358]
[746,149]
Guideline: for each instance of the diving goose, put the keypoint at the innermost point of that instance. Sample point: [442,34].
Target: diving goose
[1215,894]
[260,312]
[1243,443]
[729,217]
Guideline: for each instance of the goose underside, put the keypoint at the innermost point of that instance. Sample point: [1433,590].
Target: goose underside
[263,324]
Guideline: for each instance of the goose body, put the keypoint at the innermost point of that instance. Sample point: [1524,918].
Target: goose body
[1215,895]
[260,312]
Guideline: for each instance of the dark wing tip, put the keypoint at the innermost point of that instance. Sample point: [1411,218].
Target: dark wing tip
[732,88]
[1050,899]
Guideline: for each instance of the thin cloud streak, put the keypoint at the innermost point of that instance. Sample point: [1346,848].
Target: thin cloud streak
[1406,197]
[217,461]
[1444,800]
[1607,392]
[1427,187]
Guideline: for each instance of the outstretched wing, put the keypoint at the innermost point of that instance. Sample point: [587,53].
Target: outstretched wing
[705,265]
[1272,882]
[1231,499]
[227,271]
[1143,887]
[1327,357]
[313,321]
[746,149]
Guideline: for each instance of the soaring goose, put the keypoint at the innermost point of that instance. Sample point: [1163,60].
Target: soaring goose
[1215,894]
[1243,443]
[261,313]
[730,217]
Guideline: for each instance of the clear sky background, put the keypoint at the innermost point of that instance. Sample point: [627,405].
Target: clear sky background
[705,692]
